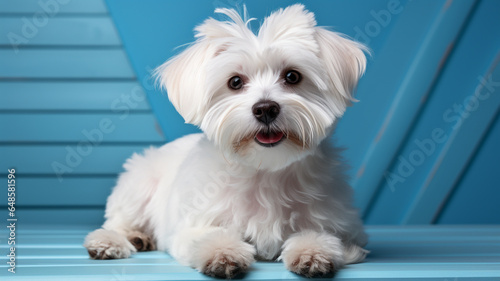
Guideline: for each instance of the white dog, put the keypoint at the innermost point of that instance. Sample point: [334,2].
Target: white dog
[262,181]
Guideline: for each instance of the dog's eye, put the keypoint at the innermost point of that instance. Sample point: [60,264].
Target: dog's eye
[293,77]
[235,83]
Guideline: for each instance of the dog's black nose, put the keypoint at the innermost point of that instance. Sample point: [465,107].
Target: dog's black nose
[266,111]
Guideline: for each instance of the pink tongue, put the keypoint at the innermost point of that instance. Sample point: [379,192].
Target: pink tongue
[269,138]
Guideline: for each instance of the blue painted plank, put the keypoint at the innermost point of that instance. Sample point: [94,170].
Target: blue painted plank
[418,77]
[430,232]
[66,251]
[45,63]
[50,192]
[67,31]
[479,184]
[72,96]
[99,270]
[457,152]
[64,258]
[160,259]
[53,8]
[69,127]
[437,119]
[47,216]
[71,246]
[66,160]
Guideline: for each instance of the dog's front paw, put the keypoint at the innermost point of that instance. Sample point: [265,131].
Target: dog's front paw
[313,254]
[311,264]
[225,265]
[104,244]
[224,255]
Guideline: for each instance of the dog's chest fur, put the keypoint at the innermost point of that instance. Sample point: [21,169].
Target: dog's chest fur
[266,207]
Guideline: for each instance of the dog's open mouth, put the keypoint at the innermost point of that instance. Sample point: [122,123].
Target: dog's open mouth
[269,138]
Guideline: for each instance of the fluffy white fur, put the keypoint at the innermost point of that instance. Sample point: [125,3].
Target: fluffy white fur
[310,253]
[217,200]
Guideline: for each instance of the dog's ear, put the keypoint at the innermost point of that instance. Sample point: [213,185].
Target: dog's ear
[184,76]
[289,26]
[344,60]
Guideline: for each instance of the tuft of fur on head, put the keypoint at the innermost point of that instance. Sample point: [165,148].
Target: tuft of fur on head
[197,83]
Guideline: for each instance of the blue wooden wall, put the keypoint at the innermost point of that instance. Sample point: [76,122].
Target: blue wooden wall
[71,108]
[422,141]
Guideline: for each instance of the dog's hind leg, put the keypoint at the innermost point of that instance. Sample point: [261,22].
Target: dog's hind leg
[115,242]
[117,239]
[141,241]
[126,219]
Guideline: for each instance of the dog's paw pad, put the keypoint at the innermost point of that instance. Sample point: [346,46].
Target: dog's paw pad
[224,266]
[141,242]
[312,265]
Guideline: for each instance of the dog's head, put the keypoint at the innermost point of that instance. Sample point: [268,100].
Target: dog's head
[267,99]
